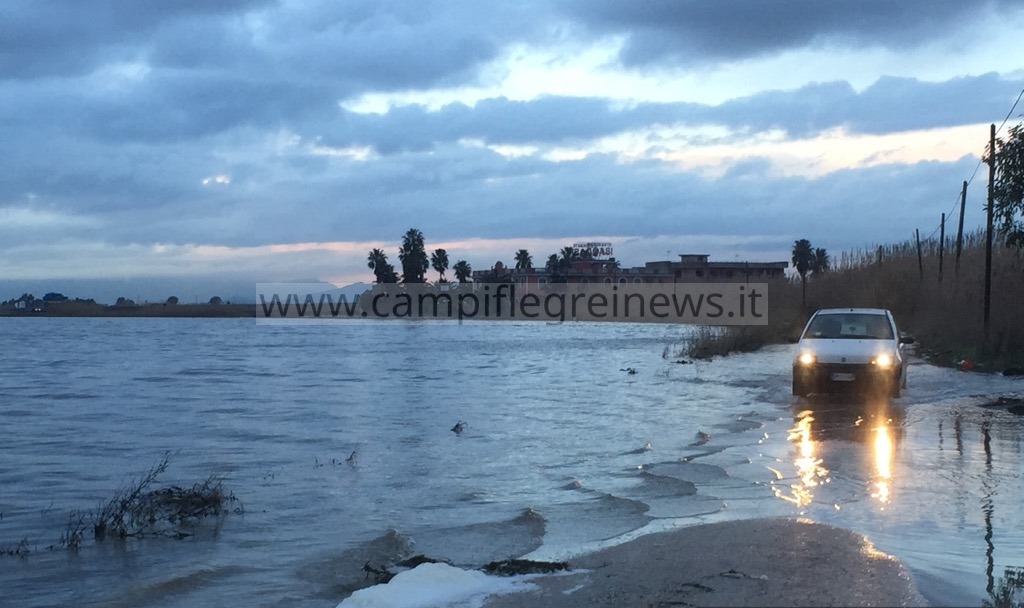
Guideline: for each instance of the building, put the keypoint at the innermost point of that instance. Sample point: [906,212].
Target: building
[690,268]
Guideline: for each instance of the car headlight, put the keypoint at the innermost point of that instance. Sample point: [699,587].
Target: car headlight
[884,361]
[806,359]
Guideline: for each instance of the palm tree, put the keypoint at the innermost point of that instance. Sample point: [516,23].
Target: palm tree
[413,256]
[439,262]
[523,260]
[462,271]
[820,264]
[569,255]
[377,261]
[803,257]
[554,267]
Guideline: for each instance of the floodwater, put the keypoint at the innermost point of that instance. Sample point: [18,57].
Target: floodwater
[336,438]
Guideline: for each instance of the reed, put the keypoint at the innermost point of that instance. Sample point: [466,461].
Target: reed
[944,314]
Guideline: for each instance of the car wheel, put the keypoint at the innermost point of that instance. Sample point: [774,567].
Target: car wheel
[799,387]
[895,386]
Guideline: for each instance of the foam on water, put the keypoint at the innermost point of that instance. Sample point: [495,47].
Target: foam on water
[435,586]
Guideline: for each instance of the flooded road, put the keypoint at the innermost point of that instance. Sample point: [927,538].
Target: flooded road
[338,441]
[933,477]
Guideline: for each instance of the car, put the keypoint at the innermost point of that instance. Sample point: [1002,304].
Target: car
[859,349]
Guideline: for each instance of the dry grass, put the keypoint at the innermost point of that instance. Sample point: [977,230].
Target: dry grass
[785,321]
[945,316]
[707,342]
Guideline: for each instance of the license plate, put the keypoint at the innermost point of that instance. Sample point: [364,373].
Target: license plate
[842,377]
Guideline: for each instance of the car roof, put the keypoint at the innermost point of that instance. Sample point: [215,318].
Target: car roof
[835,311]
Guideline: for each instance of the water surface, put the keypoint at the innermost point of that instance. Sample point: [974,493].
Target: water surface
[336,437]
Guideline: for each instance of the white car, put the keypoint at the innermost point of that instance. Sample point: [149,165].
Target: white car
[850,349]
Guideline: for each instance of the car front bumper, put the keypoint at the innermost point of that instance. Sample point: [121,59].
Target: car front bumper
[836,377]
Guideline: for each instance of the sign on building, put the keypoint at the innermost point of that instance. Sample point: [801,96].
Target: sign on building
[594,250]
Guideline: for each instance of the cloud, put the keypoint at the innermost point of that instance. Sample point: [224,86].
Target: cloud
[278,191]
[699,32]
[74,38]
[136,137]
[889,105]
[644,208]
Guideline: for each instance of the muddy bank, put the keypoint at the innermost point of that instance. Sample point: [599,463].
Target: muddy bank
[762,562]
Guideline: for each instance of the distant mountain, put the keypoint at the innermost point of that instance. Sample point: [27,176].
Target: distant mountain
[349,291]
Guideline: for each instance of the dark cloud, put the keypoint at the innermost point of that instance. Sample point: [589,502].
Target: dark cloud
[125,71]
[697,31]
[205,70]
[501,121]
[70,38]
[357,44]
[890,105]
[176,106]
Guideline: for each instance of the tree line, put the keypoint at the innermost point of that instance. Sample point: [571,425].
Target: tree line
[412,255]
[415,262]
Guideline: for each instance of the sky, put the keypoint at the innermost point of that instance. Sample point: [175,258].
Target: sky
[207,146]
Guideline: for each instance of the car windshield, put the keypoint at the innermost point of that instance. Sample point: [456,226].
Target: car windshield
[851,325]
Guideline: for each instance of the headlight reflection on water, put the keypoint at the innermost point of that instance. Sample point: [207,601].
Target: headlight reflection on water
[883,452]
[878,450]
[810,472]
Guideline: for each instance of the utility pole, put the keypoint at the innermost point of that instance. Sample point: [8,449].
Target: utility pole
[920,264]
[988,230]
[960,227]
[942,242]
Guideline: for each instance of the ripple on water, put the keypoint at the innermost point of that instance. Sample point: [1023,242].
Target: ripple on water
[337,575]
[473,545]
[155,379]
[178,585]
[654,485]
[591,516]
[688,471]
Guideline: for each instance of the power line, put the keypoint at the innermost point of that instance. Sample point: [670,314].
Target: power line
[980,162]
[1010,113]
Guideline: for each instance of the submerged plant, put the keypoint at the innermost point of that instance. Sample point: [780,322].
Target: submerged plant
[140,510]
[19,550]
